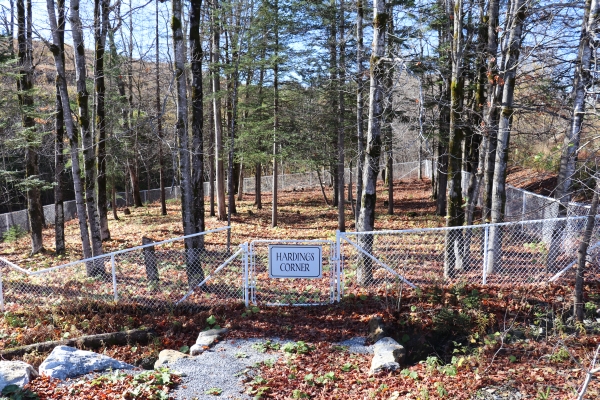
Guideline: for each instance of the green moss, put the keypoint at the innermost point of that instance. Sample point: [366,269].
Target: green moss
[380,20]
[175,23]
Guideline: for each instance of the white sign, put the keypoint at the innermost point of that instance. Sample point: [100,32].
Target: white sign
[294,261]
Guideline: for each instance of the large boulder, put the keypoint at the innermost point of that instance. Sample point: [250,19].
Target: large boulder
[166,357]
[388,355]
[67,362]
[206,339]
[16,373]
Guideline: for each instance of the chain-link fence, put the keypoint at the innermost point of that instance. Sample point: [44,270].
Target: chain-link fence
[508,253]
[407,170]
[156,275]
[268,290]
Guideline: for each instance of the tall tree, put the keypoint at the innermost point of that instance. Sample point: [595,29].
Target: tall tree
[455,214]
[582,81]
[59,161]
[87,139]
[197,120]
[100,32]
[275,116]
[159,128]
[360,87]
[25,96]
[366,219]
[218,122]
[494,91]
[194,272]
[511,60]
[58,53]
[340,121]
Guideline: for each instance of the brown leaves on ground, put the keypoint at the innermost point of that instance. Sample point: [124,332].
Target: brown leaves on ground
[302,215]
[149,385]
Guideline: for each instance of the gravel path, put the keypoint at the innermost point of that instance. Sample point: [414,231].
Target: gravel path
[228,363]
[221,367]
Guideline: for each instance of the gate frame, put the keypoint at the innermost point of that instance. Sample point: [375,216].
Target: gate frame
[250,268]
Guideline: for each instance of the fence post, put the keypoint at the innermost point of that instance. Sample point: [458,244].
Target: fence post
[1,293]
[485,253]
[114,277]
[524,207]
[245,258]
[338,272]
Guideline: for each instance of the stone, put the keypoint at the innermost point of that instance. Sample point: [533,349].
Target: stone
[16,373]
[206,339]
[388,356]
[167,356]
[377,329]
[67,362]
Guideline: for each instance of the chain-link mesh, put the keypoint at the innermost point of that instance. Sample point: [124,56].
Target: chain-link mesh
[509,253]
[407,170]
[159,275]
[291,291]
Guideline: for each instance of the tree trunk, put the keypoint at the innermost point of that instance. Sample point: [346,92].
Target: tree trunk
[58,53]
[132,163]
[582,80]
[518,15]
[89,158]
[359,106]
[366,220]
[258,186]
[194,273]
[25,96]
[241,183]
[340,121]
[275,117]
[216,87]
[211,163]
[100,31]
[197,123]
[59,160]
[578,300]
[477,167]
[161,161]
[455,214]
[494,88]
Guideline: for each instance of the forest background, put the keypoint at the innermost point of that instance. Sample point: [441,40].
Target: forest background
[129,95]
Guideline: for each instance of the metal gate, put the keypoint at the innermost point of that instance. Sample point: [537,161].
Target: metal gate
[266,290]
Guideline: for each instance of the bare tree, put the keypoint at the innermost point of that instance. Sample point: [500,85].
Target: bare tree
[100,32]
[59,126]
[25,96]
[58,53]
[366,219]
[216,88]
[511,59]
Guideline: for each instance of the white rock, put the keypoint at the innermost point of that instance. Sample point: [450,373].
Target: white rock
[16,373]
[388,355]
[206,339]
[67,362]
[168,356]
[197,349]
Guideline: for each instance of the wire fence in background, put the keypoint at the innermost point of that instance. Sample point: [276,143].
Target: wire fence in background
[407,170]
[285,182]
